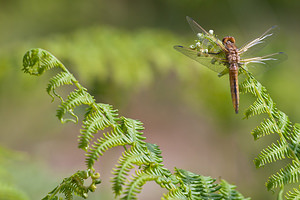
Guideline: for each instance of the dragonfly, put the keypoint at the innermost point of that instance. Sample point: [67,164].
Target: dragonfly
[223,57]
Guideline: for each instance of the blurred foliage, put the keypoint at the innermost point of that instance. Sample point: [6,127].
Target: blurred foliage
[8,184]
[123,28]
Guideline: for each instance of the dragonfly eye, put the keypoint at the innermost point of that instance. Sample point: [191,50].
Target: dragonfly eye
[228,39]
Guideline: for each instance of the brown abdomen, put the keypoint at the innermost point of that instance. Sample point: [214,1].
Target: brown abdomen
[234,86]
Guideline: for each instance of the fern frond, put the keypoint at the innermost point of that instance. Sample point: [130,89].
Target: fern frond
[123,131]
[247,86]
[295,141]
[175,194]
[258,107]
[266,128]
[74,185]
[131,128]
[148,155]
[110,113]
[126,162]
[290,174]
[37,61]
[283,122]
[109,140]
[135,185]
[228,191]
[153,154]
[288,144]
[293,195]
[61,78]
[272,153]
[75,98]
[95,120]
[196,186]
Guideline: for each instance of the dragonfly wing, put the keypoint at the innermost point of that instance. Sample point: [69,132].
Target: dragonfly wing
[214,61]
[261,63]
[260,42]
[198,29]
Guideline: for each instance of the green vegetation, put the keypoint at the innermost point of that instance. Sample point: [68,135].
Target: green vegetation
[144,157]
[129,62]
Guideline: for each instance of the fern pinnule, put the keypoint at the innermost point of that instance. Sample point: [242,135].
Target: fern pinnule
[197,186]
[258,107]
[228,191]
[175,194]
[131,128]
[94,121]
[272,153]
[295,141]
[110,113]
[148,155]
[289,174]
[266,128]
[75,98]
[247,86]
[129,158]
[62,78]
[283,121]
[135,185]
[72,185]
[121,170]
[108,141]
[293,195]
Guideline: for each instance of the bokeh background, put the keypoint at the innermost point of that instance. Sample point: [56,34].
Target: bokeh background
[122,51]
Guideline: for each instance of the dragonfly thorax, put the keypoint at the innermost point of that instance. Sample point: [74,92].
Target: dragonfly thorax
[232,53]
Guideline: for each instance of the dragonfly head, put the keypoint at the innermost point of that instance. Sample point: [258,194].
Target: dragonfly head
[228,39]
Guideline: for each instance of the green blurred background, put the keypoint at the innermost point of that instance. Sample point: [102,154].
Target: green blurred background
[122,51]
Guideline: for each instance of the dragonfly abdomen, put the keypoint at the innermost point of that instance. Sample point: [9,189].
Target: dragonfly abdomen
[234,86]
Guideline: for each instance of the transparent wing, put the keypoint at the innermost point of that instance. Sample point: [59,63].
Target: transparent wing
[260,42]
[214,61]
[198,29]
[262,63]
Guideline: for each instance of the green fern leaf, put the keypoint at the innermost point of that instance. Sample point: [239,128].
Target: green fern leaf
[37,61]
[272,153]
[295,141]
[92,123]
[126,162]
[109,140]
[266,128]
[295,195]
[109,112]
[258,107]
[62,78]
[283,122]
[228,192]
[197,186]
[136,184]
[73,185]
[175,194]
[148,156]
[246,86]
[131,128]
[290,174]
[75,98]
